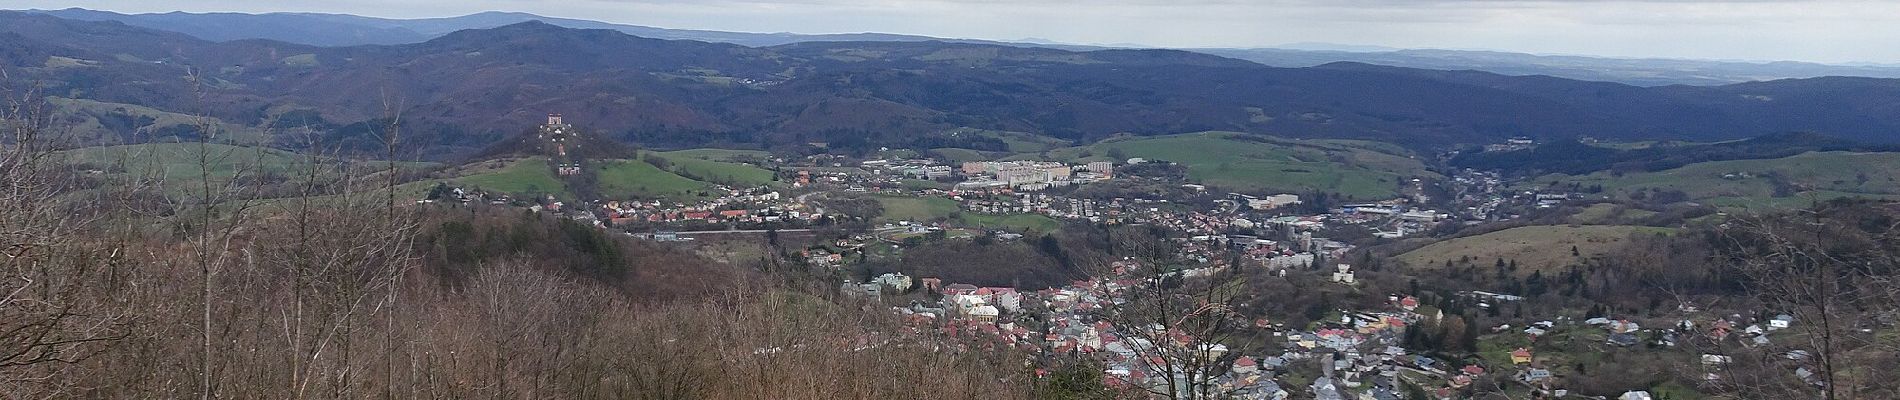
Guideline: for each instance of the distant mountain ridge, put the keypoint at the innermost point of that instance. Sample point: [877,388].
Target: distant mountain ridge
[1634,71]
[349,30]
[468,89]
[319,29]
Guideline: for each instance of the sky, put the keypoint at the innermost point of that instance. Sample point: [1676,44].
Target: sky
[1834,31]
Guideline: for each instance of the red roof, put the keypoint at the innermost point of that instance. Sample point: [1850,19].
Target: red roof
[1474,370]
[1245,361]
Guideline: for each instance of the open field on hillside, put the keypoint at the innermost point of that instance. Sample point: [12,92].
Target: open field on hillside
[925,209]
[89,119]
[528,175]
[179,167]
[715,154]
[916,209]
[716,171]
[618,179]
[1765,183]
[1363,170]
[179,162]
[1534,247]
[1608,213]
[638,179]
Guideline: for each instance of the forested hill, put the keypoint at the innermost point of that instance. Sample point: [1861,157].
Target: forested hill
[465,90]
[1575,158]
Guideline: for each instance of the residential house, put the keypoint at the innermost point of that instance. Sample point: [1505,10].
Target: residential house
[1535,332]
[959,288]
[896,281]
[1780,322]
[1002,297]
[1245,365]
[1537,375]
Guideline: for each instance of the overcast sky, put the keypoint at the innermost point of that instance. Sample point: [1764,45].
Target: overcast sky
[1816,30]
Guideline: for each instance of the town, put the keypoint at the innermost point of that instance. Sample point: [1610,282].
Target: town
[1336,353]
[950,199]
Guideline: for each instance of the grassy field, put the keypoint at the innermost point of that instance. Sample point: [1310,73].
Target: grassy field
[638,179]
[716,154]
[1534,247]
[1359,169]
[917,209]
[179,162]
[920,184]
[925,209]
[176,166]
[85,124]
[722,172]
[1608,213]
[618,179]
[1752,183]
[528,175]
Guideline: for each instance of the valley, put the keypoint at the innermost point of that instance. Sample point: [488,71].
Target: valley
[505,205]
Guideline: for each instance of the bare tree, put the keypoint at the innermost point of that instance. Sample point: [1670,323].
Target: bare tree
[51,315]
[1179,327]
[1832,267]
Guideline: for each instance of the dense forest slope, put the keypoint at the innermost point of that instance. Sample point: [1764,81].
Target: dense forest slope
[465,90]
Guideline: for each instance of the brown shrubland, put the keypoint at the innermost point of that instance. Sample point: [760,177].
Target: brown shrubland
[343,291]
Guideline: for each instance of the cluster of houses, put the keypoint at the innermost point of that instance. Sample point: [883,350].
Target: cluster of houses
[1009,202]
[1359,355]
[755,205]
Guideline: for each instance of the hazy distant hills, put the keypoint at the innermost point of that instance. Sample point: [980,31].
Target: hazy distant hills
[318,29]
[467,89]
[1635,71]
[349,30]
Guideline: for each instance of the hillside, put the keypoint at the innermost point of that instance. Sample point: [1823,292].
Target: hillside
[1540,247]
[1763,183]
[528,175]
[615,178]
[635,179]
[348,30]
[1260,163]
[465,90]
[714,168]
[1642,72]
[180,162]
[318,29]
[1577,158]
